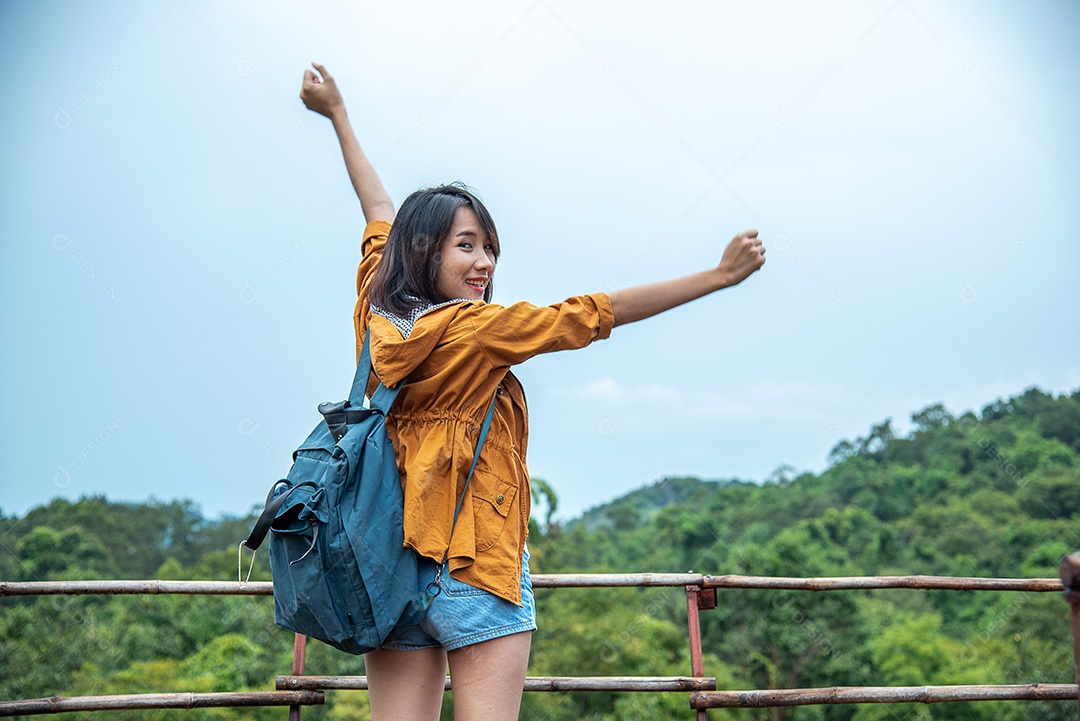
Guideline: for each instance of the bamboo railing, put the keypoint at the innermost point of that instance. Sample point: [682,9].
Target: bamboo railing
[58,704]
[563,580]
[297,690]
[532,683]
[881,694]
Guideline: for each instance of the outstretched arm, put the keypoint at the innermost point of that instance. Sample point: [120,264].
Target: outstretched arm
[744,255]
[323,97]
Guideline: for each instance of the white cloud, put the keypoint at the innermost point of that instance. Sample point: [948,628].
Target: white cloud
[604,389]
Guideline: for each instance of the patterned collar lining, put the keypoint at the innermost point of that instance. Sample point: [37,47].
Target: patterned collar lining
[405,325]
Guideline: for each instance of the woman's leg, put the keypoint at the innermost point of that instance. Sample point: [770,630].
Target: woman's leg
[406,685]
[489,677]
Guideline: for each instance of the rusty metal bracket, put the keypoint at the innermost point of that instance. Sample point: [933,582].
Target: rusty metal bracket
[1069,569]
[698,598]
[298,655]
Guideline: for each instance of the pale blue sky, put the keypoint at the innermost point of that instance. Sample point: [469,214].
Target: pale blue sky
[180,239]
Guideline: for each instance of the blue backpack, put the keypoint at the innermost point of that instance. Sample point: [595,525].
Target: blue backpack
[341,571]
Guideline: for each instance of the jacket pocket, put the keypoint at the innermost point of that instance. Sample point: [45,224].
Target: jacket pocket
[493,499]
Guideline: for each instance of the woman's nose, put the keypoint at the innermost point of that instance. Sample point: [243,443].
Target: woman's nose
[484,262]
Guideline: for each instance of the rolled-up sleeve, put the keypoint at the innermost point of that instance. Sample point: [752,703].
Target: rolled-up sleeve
[512,334]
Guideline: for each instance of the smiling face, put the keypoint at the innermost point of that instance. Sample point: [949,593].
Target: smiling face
[468,258]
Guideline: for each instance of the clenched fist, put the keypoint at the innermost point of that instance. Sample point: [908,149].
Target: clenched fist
[321,95]
[743,256]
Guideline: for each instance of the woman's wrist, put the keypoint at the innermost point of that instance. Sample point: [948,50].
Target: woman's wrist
[338,115]
[721,278]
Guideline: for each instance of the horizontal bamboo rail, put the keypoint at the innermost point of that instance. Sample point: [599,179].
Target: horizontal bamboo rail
[562,580]
[532,683]
[148,587]
[614,580]
[853,583]
[60,704]
[881,694]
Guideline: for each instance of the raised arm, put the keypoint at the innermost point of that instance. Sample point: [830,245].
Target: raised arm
[323,97]
[744,255]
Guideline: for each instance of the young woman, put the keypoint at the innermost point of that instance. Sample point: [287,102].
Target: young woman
[424,292]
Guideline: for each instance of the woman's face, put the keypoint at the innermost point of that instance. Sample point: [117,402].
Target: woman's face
[468,258]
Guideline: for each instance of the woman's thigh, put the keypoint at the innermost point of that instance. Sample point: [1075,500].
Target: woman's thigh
[406,685]
[488,678]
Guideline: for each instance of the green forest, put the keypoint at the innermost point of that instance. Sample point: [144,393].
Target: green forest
[992,494]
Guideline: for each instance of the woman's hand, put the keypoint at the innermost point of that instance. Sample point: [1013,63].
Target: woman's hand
[321,95]
[743,256]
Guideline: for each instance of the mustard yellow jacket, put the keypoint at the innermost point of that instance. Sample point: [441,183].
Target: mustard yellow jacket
[452,361]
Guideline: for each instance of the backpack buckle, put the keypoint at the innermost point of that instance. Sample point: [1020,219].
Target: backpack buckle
[334,414]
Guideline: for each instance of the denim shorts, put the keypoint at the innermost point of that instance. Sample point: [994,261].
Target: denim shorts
[462,615]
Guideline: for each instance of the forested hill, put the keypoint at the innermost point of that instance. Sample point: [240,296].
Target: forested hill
[1016,459]
[989,494]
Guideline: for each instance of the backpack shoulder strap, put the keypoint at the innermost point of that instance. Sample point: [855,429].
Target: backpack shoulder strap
[383,397]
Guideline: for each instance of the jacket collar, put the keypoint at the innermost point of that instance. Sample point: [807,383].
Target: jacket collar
[399,345]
